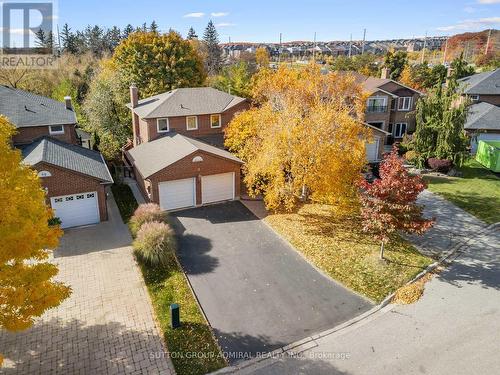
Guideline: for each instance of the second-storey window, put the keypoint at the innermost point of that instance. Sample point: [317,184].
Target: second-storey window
[215,121]
[162,125]
[56,129]
[376,104]
[191,122]
[404,103]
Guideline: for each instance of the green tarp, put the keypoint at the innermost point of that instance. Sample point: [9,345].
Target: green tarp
[488,154]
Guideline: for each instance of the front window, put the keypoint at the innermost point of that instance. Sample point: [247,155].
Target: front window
[474,98]
[376,105]
[215,121]
[162,125]
[191,122]
[404,103]
[399,130]
[56,129]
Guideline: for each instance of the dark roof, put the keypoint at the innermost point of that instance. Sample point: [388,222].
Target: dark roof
[67,156]
[487,83]
[24,109]
[483,116]
[152,157]
[186,102]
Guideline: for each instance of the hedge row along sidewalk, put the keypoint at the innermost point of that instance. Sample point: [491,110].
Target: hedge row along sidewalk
[192,347]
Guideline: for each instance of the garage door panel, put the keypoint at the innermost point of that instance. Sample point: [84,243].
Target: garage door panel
[372,150]
[76,209]
[216,188]
[177,194]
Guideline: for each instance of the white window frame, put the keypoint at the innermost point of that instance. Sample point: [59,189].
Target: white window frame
[474,98]
[396,129]
[220,121]
[402,99]
[52,132]
[158,125]
[384,99]
[187,122]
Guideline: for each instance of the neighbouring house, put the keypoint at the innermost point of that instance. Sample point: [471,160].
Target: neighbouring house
[177,155]
[390,106]
[483,121]
[200,112]
[73,177]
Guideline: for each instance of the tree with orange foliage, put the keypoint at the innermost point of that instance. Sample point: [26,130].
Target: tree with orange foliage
[262,57]
[389,203]
[303,139]
[26,286]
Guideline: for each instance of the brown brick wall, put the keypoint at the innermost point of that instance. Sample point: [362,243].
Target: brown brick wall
[178,124]
[185,168]
[27,135]
[64,182]
[492,99]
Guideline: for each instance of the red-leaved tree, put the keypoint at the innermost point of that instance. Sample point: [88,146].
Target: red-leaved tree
[389,203]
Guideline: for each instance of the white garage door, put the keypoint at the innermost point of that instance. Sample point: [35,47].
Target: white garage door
[77,209]
[177,194]
[217,187]
[372,150]
[483,137]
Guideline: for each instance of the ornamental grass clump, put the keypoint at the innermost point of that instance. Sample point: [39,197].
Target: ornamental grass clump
[146,213]
[154,243]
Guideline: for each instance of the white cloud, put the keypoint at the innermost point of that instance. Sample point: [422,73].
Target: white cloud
[472,24]
[225,24]
[194,15]
[219,14]
[469,10]
[488,1]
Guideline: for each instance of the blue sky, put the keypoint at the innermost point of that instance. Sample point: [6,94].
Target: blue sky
[259,20]
[262,21]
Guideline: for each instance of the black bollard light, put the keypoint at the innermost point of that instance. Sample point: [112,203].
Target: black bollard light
[175,319]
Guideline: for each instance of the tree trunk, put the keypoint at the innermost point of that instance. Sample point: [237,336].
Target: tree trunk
[382,250]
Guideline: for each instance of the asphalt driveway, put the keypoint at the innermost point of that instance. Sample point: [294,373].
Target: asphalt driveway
[257,293]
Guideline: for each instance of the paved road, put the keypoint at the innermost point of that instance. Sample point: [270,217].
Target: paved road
[257,292]
[453,329]
[106,326]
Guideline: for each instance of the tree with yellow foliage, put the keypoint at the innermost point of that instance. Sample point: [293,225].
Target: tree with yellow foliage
[304,139]
[26,286]
[262,57]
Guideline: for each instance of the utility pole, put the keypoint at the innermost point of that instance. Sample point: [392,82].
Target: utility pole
[466,51]
[363,44]
[229,39]
[350,47]
[314,48]
[488,43]
[422,59]
[445,50]
[279,51]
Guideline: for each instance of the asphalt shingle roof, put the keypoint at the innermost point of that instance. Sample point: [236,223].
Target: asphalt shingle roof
[483,116]
[24,109]
[186,102]
[486,83]
[152,157]
[67,156]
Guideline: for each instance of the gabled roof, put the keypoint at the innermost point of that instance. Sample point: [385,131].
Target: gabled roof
[483,116]
[24,109]
[64,155]
[186,102]
[373,84]
[152,157]
[487,83]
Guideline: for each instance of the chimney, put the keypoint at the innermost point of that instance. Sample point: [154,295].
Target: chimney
[134,96]
[67,101]
[385,73]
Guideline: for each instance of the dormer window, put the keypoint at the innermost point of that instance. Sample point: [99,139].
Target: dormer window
[56,129]
[162,125]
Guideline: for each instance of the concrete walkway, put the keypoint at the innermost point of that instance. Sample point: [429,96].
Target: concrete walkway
[135,189]
[453,329]
[106,326]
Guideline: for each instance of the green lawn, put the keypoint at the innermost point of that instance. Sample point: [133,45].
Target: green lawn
[124,200]
[477,191]
[346,254]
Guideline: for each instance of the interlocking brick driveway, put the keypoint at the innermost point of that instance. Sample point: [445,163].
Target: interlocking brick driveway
[106,326]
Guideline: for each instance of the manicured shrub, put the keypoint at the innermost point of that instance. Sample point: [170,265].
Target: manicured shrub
[411,156]
[440,165]
[154,243]
[146,213]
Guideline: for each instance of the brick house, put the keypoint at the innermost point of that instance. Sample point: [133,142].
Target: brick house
[73,177]
[177,155]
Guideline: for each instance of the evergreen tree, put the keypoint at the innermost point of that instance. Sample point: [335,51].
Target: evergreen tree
[214,52]
[40,38]
[153,27]
[129,29]
[461,68]
[395,62]
[68,40]
[192,34]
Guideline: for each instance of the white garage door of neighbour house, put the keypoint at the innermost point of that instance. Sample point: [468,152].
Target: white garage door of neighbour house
[217,187]
[372,150]
[76,209]
[177,194]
